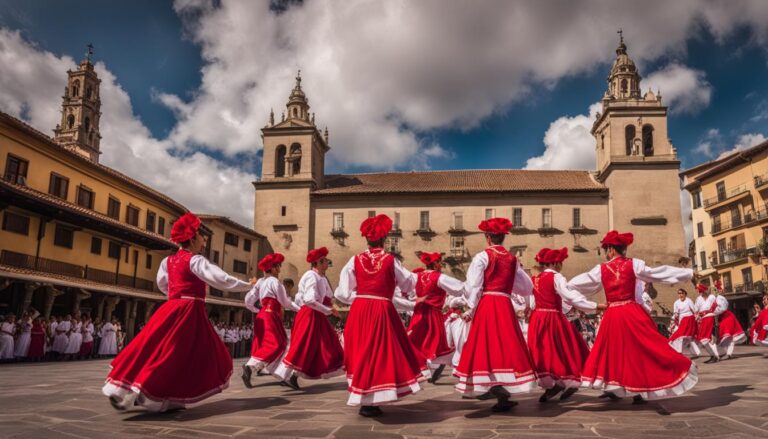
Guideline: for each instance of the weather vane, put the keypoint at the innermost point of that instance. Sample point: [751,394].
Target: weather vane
[89,53]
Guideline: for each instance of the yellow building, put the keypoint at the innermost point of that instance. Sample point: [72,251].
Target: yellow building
[78,236]
[729,200]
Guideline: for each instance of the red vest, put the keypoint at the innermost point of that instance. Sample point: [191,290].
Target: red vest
[181,280]
[375,273]
[618,277]
[500,272]
[544,292]
[426,285]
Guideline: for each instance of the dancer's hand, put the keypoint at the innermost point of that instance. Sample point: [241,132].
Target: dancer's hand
[252,281]
[335,313]
[421,299]
[602,306]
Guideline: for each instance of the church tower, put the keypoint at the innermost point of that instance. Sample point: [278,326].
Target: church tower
[80,112]
[292,167]
[639,165]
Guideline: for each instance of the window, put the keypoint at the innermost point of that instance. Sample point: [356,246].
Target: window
[85,197]
[392,245]
[16,169]
[161,226]
[338,221]
[727,285]
[63,237]
[95,245]
[746,276]
[457,246]
[295,159]
[700,229]
[696,199]
[113,208]
[215,256]
[629,138]
[458,220]
[283,210]
[424,220]
[16,223]
[247,245]
[280,161]
[151,221]
[735,216]
[546,218]
[576,217]
[75,88]
[396,221]
[720,191]
[70,121]
[149,262]
[132,215]
[703,262]
[371,213]
[231,239]
[517,217]
[114,250]
[490,213]
[647,140]
[239,267]
[58,186]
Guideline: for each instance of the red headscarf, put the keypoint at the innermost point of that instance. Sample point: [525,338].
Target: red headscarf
[429,258]
[376,228]
[702,288]
[185,228]
[317,254]
[615,238]
[496,226]
[270,261]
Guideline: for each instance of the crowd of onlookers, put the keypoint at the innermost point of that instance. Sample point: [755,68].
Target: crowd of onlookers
[237,337]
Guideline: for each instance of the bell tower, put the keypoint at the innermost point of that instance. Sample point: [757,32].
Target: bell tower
[81,111]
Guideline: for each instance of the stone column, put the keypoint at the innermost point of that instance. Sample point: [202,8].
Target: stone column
[130,324]
[79,296]
[98,305]
[29,290]
[109,306]
[50,296]
[239,316]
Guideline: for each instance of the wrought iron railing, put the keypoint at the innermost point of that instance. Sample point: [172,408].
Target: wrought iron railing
[726,194]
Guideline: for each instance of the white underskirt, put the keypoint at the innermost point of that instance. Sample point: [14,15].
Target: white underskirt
[685,385]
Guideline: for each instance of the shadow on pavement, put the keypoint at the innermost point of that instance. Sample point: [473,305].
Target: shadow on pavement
[223,407]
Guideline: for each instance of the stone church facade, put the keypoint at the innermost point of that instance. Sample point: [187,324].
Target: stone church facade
[634,187]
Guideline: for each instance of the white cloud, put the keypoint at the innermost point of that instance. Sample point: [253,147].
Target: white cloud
[745,141]
[568,143]
[683,90]
[31,84]
[708,144]
[686,211]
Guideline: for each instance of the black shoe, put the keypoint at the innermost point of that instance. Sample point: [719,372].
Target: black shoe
[725,357]
[500,392]
[612,396]
[637,399]
[503,405]
[247,376]
[293,382]
[711,360]
[437,374]
[550,393]
[485,396]
[568,393]
[115,402]
[370,411]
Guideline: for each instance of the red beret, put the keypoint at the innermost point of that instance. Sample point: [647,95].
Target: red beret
[429,258]
[615,238]
[541,256]
[560,255]
[376,228]
[417,270]
[269,261]
[718,285]
[317,254]
[496,226]
[702,288]
[185,228]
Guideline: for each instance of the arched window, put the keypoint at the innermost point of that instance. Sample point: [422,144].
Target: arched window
[295,113]
[629,135]
[70,122]
[280,161]
[87,124]
[295,159]
[623,86]
[647,140]
[75,88]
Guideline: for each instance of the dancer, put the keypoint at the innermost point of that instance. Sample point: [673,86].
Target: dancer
[61,340]
[108,344]
[495,361]
[705,313]
[683,340]
[177,358]
[457,326]
[86,348]
[558,350]
[382,365]
[270,341]
[427,328]
[25,336]
[7,331]
[729,330]
[37,340]
[75,339]
[629,356]
[315,351]
[758,333]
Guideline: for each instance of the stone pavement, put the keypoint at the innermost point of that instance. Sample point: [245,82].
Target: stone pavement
[52,400]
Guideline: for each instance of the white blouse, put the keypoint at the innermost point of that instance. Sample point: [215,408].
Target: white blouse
[269,286]
[684,308]
[591,282]
[347,289]
[8,328]
[88,333]
[570,296]
[722,304]
[207,272]
[63,327]
[705,305]
[313,289]
[473,286]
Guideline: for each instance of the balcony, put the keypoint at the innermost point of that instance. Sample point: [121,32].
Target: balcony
[749,218]
[761,181]
[425,232]
[339,233]
[456,256]
[733,256]
[727,196]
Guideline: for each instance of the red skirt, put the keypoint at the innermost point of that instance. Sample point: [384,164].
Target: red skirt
[177,357]
[36,346]
[495,353]
[86,348]
[706,326]
[730,327]
[315,351]
[269,337]
[631,357]
[557,349]
[427,333]
[382,366]
[686,328]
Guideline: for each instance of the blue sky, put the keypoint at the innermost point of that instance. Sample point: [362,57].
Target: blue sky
[465,107]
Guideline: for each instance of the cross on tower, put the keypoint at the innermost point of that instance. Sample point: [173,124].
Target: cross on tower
[89,53]
[621,36]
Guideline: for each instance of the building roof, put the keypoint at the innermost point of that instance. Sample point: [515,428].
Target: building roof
[226,220]
[727,162]
[466,181]
[23,126]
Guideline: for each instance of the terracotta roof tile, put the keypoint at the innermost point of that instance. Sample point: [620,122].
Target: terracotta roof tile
[485,180]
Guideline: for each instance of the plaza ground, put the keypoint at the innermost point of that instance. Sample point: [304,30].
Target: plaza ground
[52,400]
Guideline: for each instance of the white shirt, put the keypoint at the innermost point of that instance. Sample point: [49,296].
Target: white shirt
[347,289]
[705,305]
[684,308]
[63,327]
[570,296]
[313,289]
[590,282]
[473,286]
[107,328]
[450,285]
[52,327]
[88,333]
[269,286]
[207,272]
[722,304]
[8,329]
